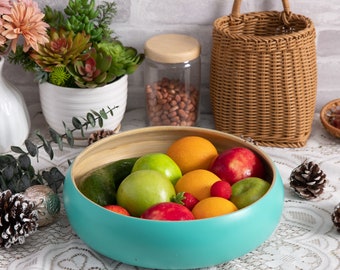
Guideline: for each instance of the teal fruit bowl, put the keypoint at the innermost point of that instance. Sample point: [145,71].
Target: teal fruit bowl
[168,244]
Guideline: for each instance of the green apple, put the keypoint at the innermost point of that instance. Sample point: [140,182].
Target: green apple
[248,190]
[143,189]
[159,162]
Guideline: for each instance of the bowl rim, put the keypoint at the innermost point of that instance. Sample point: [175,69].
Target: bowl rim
[323,117]
[275,174]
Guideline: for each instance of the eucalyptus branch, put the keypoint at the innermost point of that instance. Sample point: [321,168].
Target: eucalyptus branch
[17,174]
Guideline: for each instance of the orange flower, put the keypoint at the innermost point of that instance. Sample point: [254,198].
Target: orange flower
[5,7]
[25,20]
[2,38]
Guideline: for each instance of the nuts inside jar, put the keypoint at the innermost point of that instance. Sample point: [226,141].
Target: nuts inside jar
[171,102]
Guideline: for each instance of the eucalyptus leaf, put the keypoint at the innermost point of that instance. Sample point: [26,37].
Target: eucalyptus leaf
[17,149]
[25,182]
[54,178]
[31,171]
[76,123]
[95,113]
[48,149]
[3,185]
[57,138]
[8,172]
[17,174]
[69,137]
[100,122]
[24,162]
[31,148]
[46,145]
[103,114]
[91,119]
[82,131]
[6,160]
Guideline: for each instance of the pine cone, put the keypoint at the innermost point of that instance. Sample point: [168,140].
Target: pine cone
[18,219]
[100,134]
[308,180]
[336,217]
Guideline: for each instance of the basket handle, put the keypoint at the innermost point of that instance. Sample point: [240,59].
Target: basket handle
[285,14]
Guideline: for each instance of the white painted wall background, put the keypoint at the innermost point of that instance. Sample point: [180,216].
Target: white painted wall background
[137,20]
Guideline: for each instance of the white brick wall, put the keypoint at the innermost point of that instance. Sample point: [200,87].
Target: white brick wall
[137,20]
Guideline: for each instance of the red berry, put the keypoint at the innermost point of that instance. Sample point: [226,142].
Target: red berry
[186,199]
[117,209]
[221,189]
[189,200]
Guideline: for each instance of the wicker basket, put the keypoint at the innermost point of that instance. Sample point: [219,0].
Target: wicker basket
[263,77]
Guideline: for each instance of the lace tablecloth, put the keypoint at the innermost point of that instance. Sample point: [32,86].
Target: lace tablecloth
[304,239]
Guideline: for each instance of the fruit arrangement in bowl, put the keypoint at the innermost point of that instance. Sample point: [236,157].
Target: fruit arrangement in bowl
[173,197]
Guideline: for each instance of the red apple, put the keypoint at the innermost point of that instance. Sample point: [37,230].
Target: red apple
[237,163]
[170,211]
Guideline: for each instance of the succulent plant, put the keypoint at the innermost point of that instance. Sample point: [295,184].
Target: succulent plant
[60,76]
[94,69]
[81,51]
[84,16]
[63,48]
[125,60]
[105,62]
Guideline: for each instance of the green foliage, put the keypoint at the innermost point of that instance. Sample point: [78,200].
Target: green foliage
[64,48]
[106,13]
[60,76]
[95,69]
[73,35]
[83,15]
[22,58]
[54,18]
[125,60]
[17,173]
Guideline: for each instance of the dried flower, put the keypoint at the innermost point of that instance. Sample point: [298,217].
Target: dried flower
[5,7]
[25,19]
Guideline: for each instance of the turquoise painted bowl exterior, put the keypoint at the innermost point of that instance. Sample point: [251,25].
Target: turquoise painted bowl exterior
[167,244]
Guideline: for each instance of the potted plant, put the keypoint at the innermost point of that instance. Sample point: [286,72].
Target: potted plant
[81,66]
[72,50]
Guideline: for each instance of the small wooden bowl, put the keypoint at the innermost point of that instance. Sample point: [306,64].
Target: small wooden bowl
[325,118]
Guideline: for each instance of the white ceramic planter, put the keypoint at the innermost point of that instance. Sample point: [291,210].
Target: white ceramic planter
[14,117]
[60,104]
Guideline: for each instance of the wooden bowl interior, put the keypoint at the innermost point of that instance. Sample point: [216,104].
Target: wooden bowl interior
[150,140]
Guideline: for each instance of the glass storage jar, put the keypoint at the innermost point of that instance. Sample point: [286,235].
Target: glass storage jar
[172,77]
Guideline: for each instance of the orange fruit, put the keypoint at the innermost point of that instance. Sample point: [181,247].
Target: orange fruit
[197,182]
[213,207]
[192,153]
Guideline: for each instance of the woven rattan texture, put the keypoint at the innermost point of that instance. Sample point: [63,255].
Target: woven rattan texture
[325,117]
[263,77]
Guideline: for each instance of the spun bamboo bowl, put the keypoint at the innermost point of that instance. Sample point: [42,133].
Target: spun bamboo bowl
[168,244]
[324,117]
